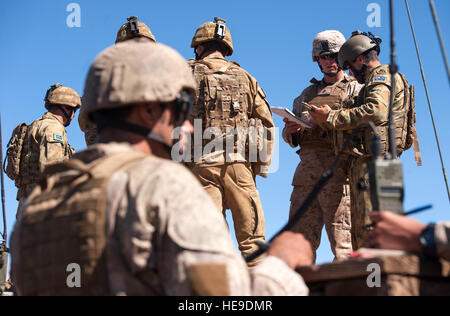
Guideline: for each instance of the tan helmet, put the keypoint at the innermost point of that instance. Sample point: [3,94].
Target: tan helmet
[357,45]
[213,31]
[327,42]
[61,95]
[133,29]
[127,74]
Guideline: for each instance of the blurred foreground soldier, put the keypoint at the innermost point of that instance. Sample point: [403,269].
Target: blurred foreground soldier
[360,55]
[230,102]
[393,231]
[135,222]
[318,147]
[132,30]
[42,143]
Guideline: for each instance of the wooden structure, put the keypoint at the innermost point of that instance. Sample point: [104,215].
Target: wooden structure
[397,275]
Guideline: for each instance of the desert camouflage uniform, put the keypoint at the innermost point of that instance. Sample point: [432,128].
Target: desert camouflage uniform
[317,153]
[442,235]
[373,105]
[45,143]
[230,179]
[162,238]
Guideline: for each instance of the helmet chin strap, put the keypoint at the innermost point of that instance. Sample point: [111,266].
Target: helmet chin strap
[331,74]
[67,116]
[141,130]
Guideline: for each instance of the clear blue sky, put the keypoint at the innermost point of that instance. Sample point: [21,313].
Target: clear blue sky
[272,41]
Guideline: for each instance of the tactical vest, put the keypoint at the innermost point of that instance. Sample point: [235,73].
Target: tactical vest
[404,123]
[336,97]
[223,97]
[14,153]
[64,226]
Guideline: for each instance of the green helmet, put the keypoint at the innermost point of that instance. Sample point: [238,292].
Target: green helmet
[357,45]
[133,29]
[213,31]
[61,95]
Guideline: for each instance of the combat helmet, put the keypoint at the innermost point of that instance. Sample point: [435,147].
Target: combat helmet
[61,95]
[133,29]
[213,31]
[327,42]
[357,45]
[127,74]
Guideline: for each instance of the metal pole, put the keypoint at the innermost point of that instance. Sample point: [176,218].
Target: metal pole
[5,232]
[428,99]
[441,42]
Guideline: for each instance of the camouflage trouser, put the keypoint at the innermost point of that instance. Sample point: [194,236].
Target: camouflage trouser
[361,205]
[22,195]
[233,185]
[332,206]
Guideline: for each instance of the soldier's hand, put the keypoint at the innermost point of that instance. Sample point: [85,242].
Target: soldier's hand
[186,130]
[320,114]
[292,128]
[396,232]
[293,249]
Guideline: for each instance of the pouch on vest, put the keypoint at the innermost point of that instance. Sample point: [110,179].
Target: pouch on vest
[61,236]
[14,152]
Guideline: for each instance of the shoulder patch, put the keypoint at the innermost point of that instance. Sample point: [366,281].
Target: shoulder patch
[380,79]
[58,137]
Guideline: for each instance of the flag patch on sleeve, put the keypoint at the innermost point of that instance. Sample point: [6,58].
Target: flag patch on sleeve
[58,137]
[380,79]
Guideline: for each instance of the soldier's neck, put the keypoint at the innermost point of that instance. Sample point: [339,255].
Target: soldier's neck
[138,142]
[371,66]
[216,53]
[330,80]
[58,116]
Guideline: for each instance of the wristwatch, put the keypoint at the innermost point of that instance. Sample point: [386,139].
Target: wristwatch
[428,242]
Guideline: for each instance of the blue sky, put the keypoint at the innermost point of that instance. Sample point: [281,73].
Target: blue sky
[272,41]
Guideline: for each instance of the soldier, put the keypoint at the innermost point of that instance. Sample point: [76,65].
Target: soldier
[393,231]
[317,150]
[135,222]
[360,55]
[132,30]
[229,99]
[45,141]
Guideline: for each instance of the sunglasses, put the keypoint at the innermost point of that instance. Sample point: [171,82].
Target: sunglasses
[329,57]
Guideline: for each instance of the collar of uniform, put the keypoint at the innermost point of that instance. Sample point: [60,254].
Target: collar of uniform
[376,70]
[100,150]
[215,55]
[51,116]
[323,83]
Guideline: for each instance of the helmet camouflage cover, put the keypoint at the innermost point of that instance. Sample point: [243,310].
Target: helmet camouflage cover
[132,73]
[59,94]
[213,31]
[133,29]
[357,45]
[327,42]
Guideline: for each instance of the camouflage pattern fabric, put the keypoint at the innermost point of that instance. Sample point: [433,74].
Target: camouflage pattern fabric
[373,105]
[62,95]
[206,33]
[46,143]
[318,147]
[234,185]
[212,74]
[161,224]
